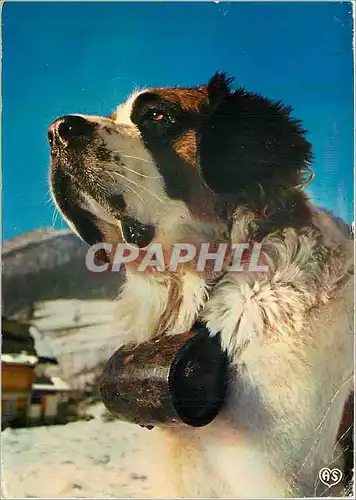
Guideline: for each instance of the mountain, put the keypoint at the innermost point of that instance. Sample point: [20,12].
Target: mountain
[49,264]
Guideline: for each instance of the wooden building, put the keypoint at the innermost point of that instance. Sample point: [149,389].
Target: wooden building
[31,388]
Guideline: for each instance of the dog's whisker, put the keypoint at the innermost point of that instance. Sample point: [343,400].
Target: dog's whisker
[154,195]
[139,187]
[126,186]
[133,157]
[139,173]
[47,201]
[47,198]
[98,182]
[55,216]
[137,158]
[133,171]
[133,191]
[111,177]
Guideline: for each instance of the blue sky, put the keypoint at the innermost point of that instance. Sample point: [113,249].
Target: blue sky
[62,58]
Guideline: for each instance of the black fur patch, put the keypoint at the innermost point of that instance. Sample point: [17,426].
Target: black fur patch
[250,143]
[66,194]
[219,88]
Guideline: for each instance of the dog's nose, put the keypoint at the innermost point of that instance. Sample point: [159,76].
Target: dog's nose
[69,128]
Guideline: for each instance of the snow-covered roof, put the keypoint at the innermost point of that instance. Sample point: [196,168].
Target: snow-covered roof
[56,385]
[20,337]
[19,359]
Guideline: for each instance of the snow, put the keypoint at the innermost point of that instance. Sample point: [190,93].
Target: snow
[84,459]
[79,460]
[42,348]
[80,333]
[57,385]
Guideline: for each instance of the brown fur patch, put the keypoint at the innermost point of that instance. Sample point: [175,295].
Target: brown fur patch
[170,315]
[190,100]
[186,147]
[111,233]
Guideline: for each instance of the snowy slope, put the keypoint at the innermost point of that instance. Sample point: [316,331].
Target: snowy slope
[81,333]
[81,460]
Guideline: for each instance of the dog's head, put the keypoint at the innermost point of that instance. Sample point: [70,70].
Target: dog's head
[169,163]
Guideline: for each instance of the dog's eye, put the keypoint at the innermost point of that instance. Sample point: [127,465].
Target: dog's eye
[157,115]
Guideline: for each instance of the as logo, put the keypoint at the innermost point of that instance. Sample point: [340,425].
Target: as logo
[330,477]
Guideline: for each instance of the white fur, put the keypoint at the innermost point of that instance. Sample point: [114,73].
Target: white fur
[146,298]
[123,112]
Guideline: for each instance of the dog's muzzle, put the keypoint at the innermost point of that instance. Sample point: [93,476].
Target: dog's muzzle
[171,380]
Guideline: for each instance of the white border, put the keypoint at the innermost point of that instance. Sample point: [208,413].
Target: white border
[3,487]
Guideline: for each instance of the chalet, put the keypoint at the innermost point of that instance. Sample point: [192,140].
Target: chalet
[31,386]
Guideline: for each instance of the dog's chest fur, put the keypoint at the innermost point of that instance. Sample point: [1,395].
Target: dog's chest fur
[289,337]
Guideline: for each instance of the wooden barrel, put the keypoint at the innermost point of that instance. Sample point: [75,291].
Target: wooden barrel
[170,380]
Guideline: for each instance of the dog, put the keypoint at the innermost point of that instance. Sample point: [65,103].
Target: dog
[217,165]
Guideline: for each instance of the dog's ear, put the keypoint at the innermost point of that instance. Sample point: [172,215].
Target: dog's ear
[219,89]
[248,143]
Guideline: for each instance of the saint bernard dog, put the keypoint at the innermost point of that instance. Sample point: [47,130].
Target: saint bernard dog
[217,165]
